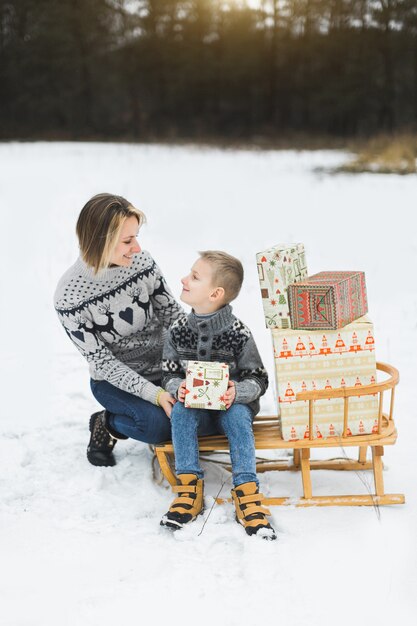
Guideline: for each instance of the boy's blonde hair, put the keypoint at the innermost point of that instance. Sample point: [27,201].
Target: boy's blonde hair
[227,272]
[99,226]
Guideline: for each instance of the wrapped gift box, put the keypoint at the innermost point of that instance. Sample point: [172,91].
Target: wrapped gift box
[206,384]
[277,268]
[327,300]
[305,361]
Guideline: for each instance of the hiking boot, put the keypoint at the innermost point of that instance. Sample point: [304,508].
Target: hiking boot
[102,441]
[250,512]
[187,505]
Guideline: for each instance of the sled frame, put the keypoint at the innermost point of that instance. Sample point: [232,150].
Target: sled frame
[268,437]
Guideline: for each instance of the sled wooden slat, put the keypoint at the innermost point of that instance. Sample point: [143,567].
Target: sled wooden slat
[359,500]
[268,437]
[329,464]
[362,454]
[345,415]
[267,465]
[380,409]
[305,473]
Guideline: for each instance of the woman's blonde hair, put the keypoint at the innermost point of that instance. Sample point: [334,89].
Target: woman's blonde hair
[99,225]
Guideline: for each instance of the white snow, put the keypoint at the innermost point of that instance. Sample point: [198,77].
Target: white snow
[82,546]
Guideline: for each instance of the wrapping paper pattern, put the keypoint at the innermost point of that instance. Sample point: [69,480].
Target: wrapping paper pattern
[206,384]
[327,300]
[277,268]
[316,360]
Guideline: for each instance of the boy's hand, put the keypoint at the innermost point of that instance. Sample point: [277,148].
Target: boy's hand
[230,395]
[181,392]
[166,401]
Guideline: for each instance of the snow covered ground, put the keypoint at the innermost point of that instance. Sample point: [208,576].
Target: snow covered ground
[82,546]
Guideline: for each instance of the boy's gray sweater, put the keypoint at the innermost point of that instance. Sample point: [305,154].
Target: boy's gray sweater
[118,320]
[221,337]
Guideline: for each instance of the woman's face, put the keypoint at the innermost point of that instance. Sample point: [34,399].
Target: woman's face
[127,245]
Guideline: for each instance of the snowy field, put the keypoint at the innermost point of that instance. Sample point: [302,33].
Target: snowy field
[82,546]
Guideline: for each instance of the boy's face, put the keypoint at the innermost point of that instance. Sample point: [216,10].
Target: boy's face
[198,290]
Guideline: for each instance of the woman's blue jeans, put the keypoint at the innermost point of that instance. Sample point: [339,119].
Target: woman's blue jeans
[136,418]
[235,423]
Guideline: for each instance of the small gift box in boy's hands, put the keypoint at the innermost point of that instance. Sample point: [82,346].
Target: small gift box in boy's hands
[205,385]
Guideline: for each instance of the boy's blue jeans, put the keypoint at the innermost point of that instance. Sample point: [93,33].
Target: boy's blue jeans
[235,423]
[137,418]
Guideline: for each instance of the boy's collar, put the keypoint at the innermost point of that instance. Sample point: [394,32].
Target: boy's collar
[219,320]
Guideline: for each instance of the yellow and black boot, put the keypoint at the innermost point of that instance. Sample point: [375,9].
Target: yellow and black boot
[187,505]
[250,512]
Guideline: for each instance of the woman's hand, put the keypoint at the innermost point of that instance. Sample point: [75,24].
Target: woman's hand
[166,401]
[230,395]
[181,392]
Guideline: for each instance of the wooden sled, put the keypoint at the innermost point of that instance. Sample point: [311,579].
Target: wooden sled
[267,437]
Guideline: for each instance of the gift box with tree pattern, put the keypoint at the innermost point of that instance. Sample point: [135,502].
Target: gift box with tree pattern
[278,267]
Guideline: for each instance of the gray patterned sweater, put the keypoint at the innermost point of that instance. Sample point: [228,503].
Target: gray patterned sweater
[221,337]
[118,320]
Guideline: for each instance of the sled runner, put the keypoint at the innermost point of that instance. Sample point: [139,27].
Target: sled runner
[268,437]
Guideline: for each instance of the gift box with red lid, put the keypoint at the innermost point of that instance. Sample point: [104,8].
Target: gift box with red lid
[327,300]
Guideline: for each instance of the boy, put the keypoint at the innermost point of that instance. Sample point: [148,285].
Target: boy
[212,333]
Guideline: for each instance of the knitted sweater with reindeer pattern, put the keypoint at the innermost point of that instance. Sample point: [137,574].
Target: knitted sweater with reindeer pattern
[118,320]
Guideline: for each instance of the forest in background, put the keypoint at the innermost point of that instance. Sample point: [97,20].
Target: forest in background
[144,70]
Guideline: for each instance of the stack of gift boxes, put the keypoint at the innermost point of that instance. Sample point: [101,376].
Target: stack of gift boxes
[321,340]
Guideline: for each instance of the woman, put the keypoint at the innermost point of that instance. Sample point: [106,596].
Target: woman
[115,307]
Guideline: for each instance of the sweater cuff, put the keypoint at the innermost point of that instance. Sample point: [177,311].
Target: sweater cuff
[247,391]
[172,386]
[150,392]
